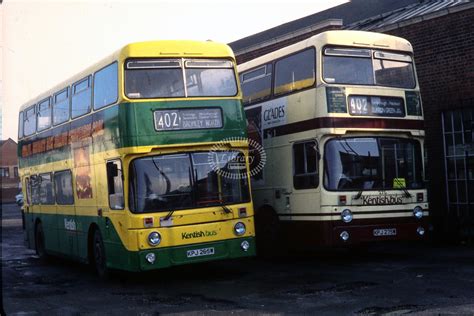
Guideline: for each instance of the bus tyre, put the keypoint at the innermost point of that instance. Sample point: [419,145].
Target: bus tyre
[98,253]
[267,232]
[39,241]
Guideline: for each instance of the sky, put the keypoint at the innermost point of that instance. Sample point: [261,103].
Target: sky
[44,42]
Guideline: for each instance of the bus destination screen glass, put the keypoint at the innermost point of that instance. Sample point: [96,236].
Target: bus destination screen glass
[188,180]
[174,78]
[368,67]
[377,163]
[376,106]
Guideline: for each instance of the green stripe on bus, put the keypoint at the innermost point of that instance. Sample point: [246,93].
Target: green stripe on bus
[127,125]
[74,243]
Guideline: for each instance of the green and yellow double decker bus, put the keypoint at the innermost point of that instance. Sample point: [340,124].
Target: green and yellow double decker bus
[141,161]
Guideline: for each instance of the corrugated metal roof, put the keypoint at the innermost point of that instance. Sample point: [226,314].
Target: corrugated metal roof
[404,14]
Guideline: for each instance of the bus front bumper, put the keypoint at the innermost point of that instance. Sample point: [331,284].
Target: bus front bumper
[358,232]
[225,249]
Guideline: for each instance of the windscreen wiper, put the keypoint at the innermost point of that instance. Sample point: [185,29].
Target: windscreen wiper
[168,216]
[226,209]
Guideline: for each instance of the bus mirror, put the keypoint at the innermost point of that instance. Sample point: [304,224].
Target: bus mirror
[112,170]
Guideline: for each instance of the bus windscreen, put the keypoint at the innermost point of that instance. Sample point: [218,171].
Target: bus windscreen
[366,67]
[188,180]
[377,163]
[171,78]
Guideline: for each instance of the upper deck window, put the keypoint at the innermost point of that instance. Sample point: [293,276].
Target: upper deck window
[44,114]
[61,106]
[295,72]
[367,67]
[168,78]
[30,121]
[257,84]
[20,125]
[81,97]
[210,78]
[105,86]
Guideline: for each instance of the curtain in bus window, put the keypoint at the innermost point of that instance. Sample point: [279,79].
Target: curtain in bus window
[295,72]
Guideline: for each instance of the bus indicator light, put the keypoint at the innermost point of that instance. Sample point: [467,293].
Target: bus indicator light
[342,200]
[419,197]
[243,212]
[148,222]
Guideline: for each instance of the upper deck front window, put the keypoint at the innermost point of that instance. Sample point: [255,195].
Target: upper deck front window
[172,78]
[368,67]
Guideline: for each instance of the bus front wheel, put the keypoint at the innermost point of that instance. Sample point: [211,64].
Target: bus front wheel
[39,241]
[98,251]
[267,232]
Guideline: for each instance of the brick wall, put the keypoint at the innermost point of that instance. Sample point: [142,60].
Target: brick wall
[444,57]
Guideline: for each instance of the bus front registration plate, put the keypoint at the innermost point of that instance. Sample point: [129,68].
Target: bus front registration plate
[385,232]
[200,252]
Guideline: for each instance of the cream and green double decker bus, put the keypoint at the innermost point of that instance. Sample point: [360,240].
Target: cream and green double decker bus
[141,161]
[340,118]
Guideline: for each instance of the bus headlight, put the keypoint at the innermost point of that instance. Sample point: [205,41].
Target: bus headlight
[154,239]
[239,229]
[150,257]
[418,212]
[420,230]
[245,245]
[346,216]
[344,236]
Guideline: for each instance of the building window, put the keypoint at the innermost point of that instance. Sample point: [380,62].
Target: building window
[459,160]
[4,172]
[105,86]
[305,165]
